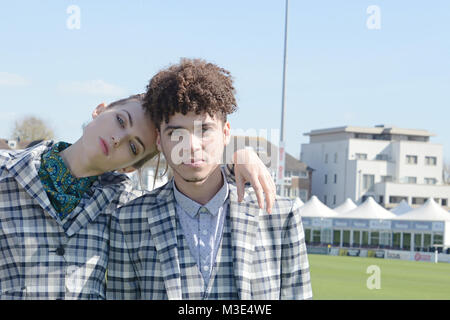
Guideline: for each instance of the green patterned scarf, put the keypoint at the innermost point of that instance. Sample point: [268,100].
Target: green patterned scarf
[63,189]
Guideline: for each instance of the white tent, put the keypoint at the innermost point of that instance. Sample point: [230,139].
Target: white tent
[402,208]
[346,206]
[368,210]
[430,211]
[314,208]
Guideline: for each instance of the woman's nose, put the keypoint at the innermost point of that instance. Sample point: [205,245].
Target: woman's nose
[117,139]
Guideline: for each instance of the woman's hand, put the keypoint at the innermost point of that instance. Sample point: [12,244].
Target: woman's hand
[248,167]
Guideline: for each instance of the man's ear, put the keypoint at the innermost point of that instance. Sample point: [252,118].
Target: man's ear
[226,133]
[99,109]
[126,170]
[158,140]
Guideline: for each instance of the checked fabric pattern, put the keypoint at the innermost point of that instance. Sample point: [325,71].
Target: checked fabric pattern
[262,257]
[42,256]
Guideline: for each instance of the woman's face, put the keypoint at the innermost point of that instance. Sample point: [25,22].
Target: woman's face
[118,137]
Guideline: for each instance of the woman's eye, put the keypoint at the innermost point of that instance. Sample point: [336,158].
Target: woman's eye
[120,120]
[133,148]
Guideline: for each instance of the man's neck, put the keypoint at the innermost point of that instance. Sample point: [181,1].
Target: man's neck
[203,191]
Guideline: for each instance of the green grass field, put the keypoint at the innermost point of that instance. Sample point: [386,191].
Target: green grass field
[345,278]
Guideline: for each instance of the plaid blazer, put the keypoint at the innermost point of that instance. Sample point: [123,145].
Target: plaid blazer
[42,257]
[269,259]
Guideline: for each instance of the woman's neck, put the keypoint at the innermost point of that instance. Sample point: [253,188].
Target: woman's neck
[78,165]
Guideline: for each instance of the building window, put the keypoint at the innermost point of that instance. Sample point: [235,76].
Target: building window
[326,179]
[334,199]
[361,156]
[411,159]
[430,161]
[383,157]
[325,199]
[335,178]
[381,201]
[368,181]
[303,174]
[412,180]
[316,236]
[430,180]
[335,157]
[326,157]
[397,199]
[444,202]
[386,179]
[417,200]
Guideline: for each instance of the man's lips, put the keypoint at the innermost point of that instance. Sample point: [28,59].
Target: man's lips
[104,146]
[194,163]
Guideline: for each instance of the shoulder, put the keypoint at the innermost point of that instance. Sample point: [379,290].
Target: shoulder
[139,207]
[9,157]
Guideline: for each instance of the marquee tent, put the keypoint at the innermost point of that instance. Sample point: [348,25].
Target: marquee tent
[368,210]
[315,208]
[430,211]
[402,208]
[347,206]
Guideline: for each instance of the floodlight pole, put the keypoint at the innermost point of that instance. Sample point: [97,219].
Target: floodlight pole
[281,153]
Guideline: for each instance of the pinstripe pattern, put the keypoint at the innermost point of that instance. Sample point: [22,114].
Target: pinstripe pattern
[262,257]
[32,263]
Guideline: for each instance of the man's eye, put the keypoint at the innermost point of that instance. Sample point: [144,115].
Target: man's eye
[120,120]
[133,148]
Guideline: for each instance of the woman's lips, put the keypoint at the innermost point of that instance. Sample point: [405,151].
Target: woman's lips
[104,146]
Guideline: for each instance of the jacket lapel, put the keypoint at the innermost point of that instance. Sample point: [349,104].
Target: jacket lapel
[243,221]
[24,169]
[162,223]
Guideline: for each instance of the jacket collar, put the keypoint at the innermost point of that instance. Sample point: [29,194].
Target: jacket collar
[24,166]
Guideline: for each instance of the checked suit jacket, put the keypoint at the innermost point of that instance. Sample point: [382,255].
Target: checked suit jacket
[267,252]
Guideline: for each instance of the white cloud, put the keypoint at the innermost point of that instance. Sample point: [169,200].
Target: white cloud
[12,80]
[92,87]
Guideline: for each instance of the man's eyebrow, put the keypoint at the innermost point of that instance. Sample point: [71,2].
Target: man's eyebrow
[129,117]
[173,128]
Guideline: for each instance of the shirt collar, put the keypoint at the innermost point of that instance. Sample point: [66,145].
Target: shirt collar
[191,207]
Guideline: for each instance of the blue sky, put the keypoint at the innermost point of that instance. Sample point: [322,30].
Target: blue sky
[339,71]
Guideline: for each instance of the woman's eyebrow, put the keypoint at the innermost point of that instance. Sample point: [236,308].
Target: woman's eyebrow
[140,141]
[129,117]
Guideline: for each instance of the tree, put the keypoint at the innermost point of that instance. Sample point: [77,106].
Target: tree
[31,128]
[446,172]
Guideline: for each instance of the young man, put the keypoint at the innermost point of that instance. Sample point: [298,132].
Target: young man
[191,238]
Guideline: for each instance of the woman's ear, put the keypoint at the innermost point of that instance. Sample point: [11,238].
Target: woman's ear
[126,170]
[99,109]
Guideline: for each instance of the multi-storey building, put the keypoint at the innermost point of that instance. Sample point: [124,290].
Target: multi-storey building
[297,175]
[388,163]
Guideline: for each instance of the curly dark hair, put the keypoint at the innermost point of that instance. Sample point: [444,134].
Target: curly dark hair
[191,85]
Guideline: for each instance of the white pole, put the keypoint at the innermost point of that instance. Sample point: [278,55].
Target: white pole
[435,255]
[282,142]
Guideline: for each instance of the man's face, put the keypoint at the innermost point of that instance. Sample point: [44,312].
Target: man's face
[118,137]
[193,145]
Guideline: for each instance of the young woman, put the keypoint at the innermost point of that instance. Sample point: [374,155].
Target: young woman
[56,200]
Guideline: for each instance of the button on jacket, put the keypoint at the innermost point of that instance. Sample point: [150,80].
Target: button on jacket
[41,256]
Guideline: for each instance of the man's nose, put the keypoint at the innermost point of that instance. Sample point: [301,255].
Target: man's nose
[196,142]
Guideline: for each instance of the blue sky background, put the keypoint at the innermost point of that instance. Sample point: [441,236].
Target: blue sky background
[339,72]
